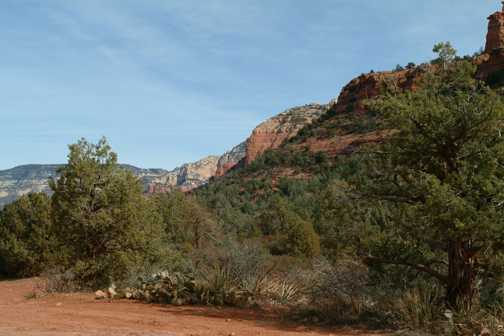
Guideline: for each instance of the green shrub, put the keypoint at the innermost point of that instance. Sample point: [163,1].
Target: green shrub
[302,240]
[27,242]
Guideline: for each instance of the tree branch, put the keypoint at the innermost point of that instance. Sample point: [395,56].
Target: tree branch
[418,267]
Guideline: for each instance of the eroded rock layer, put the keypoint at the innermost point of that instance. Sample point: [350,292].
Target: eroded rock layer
[275,131]
[186,177]
[354,95]
[230,159]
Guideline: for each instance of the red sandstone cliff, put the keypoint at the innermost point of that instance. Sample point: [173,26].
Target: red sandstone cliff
[332,137]
[274,132]
[367,86]
[492,60]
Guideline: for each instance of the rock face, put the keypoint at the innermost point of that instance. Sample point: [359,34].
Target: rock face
[23,180]
[187,177]
[354,95]
[492,61]
[495,34]
[231,158]
[331,134]
[275,131]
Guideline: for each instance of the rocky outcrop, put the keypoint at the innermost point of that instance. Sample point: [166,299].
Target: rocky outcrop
[492,61]
[230,159]
[495,34]
[354,95]
[186,177]
[346,126]
[275,131]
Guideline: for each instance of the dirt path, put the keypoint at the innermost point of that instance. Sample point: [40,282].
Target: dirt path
[80,314]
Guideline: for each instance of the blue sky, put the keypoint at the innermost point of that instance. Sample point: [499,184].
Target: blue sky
[171,81]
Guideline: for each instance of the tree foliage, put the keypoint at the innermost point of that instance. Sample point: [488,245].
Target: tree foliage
[446,53]
[27,242]
[187,223]
[105,225]
[292,234]
[439,180]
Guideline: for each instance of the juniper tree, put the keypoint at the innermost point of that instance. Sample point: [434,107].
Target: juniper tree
[438,181]
[106,226]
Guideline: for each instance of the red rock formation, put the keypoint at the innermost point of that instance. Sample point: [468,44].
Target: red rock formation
[274,132]
[493,58]
[231,159]
[262,139]
[355,94]
[352,100]
[223,169]
[495,35]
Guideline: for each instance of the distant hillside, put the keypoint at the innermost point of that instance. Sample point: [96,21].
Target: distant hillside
[22,180]
[25,179]
[270,134]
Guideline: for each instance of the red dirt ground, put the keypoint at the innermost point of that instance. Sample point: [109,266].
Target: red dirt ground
[82,315]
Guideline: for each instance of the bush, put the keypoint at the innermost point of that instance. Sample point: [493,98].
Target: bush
[187,223]
[57,280]
[421,307]
[292,234]
[302,240]
[27,242]
[228,274]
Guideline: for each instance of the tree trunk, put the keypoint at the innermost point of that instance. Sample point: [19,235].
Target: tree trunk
[461,285]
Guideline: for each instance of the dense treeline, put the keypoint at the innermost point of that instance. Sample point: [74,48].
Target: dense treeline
[396,233]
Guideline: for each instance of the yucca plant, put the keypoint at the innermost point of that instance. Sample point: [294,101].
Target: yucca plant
[421,307]
[284,291]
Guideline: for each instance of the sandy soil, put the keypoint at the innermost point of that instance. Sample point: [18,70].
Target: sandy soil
[81,314]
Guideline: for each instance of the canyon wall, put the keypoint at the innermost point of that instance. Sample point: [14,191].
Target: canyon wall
[275,131]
